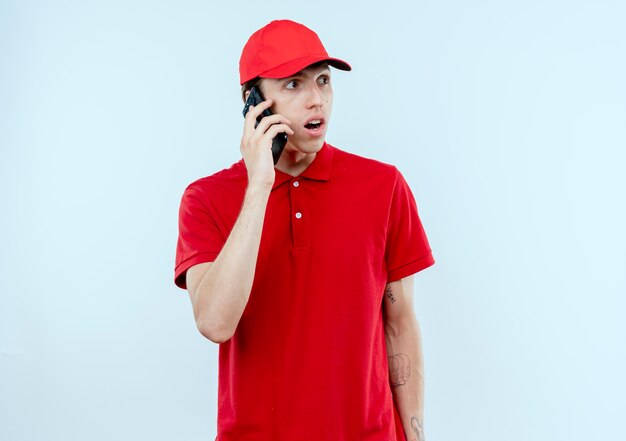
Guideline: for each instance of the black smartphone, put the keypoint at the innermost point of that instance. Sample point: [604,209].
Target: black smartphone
[279,141]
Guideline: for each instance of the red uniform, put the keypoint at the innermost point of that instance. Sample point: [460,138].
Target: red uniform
[308,358]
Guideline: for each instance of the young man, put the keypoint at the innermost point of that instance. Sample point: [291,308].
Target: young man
[303,271]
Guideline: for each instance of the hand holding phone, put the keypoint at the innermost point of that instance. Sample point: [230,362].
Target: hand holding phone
[280,140]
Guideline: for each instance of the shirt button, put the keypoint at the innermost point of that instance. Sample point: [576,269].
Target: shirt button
[298,215]
[296,183]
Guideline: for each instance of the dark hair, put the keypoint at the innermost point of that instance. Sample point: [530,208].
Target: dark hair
[249,85]
[255,81]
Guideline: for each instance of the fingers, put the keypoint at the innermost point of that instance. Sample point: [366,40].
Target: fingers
[254,112]
[268,121]
[278,128]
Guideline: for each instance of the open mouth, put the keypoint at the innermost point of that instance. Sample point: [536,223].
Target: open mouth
[315,124]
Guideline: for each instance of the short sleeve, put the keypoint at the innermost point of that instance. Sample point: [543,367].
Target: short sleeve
[407,250]
[199,238]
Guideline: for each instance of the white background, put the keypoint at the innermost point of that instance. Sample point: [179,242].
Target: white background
[506,118]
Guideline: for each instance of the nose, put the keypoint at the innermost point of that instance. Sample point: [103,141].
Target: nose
[315,97]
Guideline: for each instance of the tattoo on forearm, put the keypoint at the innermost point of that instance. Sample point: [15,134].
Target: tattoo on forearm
[418,429]
[389,294]
[399,369]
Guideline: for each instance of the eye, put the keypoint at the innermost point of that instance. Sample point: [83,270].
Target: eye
[325,79]
[290,82]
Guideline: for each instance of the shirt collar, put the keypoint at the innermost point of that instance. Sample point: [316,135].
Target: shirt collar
[318,170]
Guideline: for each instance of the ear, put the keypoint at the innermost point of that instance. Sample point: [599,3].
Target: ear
[247,94]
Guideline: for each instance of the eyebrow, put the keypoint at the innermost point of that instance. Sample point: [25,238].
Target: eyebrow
[319,71]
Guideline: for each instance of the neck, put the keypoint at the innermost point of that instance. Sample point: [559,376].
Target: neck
[293,161]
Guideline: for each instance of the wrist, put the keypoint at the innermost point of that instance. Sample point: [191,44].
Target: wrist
[259,187]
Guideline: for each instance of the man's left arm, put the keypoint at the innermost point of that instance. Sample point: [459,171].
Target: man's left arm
[404,353]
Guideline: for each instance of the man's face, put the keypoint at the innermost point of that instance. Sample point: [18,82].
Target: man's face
[302,97]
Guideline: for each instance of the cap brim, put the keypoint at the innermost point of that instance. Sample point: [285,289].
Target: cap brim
[294,66]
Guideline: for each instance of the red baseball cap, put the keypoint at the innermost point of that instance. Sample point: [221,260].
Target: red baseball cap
[280,49]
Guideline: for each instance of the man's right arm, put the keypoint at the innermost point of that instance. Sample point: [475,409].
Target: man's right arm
[220,290]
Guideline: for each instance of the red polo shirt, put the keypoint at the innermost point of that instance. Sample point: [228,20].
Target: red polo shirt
[308,358]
